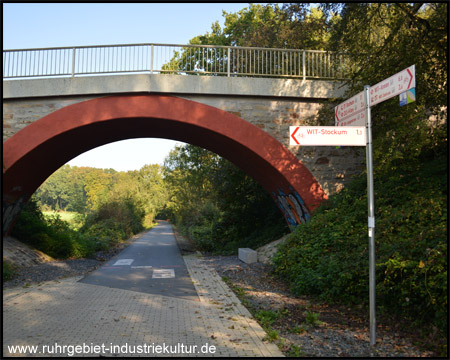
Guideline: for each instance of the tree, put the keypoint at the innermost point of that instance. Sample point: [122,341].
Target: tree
[294,26]
[150,177]
[77,201]
[55,191]
[188,171]
[97,185]
[382,39]
[144,187]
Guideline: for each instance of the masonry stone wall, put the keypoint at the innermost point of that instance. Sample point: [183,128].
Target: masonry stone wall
[332,167]
[17,114]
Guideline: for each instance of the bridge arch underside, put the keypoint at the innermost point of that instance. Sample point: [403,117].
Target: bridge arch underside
[35,152]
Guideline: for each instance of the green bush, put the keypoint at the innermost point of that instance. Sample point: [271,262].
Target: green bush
[110,224]
[328,256]
[312,318]
[266,317]
[50,235]
[124,213]
[8,271]
[113,222]
[202,236]
[29,224]
[104,234]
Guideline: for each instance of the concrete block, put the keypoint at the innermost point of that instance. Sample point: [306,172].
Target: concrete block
[248,256]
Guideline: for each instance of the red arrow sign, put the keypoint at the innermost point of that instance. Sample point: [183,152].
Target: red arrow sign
[411,78]
[293,135]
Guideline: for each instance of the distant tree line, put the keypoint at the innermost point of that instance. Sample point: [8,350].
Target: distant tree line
[85,189]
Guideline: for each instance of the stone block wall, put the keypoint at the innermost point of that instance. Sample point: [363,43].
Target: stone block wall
[17,114]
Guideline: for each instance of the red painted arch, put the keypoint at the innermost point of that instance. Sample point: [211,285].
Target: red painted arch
[35,152]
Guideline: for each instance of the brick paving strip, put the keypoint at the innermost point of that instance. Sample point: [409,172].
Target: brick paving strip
[67,312]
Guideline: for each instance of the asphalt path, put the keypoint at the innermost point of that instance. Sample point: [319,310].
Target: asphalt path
[152,264]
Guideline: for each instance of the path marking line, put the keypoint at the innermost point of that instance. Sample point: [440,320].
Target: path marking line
[142,267]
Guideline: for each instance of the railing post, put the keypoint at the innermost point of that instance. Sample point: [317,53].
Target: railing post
[229,62]
[304,65]
[151,60]
[73,62]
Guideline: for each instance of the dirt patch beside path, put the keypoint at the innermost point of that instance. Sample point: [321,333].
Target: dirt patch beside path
[314,328]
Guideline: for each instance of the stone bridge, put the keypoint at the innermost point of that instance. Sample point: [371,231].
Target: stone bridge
[49,121]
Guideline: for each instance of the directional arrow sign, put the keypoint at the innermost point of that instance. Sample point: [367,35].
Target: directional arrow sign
[328,135]
[351,112]
[395,85]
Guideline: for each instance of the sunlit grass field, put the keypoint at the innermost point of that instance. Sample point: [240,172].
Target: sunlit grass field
[69,216]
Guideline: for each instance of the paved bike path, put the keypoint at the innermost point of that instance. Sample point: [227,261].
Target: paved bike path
[56,316]
[152,264]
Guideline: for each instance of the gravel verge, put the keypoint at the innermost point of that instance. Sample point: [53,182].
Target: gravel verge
[54,270]
[338,332]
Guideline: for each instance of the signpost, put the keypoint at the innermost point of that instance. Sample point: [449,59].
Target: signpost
[371,220]
[353,112]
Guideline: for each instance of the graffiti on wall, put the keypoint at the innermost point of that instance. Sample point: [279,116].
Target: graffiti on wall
[10,212]
[293,207]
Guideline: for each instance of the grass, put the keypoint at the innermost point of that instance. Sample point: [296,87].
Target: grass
[313,319]
[266,317]
[71,217]
[299,329]
[272,334]
[68,216]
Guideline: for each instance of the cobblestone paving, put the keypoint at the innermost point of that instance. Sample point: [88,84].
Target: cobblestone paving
[70,313]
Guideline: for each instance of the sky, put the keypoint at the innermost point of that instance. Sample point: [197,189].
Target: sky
[41,25]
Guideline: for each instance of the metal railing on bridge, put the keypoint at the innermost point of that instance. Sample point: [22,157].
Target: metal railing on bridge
[175,59]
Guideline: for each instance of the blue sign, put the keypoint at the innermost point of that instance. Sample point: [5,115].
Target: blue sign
[407,97]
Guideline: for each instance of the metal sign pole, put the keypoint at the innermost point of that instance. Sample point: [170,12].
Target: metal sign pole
[371,219]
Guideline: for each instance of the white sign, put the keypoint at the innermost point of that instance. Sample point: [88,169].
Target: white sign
[395,85]
[163,274]
[123,262]
[328,135]
[351,112]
